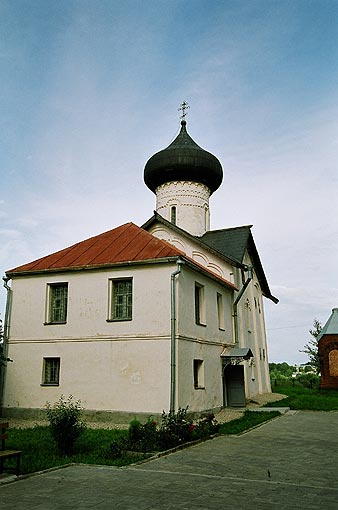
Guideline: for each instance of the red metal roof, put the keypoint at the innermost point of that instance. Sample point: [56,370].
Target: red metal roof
[126,243]
[122,244]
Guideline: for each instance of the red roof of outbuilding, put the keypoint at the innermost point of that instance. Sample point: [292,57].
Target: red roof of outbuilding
[122,244]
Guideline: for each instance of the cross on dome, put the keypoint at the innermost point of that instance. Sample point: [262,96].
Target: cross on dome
[184,106]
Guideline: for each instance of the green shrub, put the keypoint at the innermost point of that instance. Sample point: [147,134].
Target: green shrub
[175,429]
[135,431]
[205,427]
[143,438]
[308,380]
[65,422]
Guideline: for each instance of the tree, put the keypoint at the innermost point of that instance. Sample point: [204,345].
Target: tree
[3,358]
[311,348]
[280,370]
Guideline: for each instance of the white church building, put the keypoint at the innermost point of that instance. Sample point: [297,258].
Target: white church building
[143,319]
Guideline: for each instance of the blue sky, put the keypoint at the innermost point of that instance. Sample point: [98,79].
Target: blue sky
[89,90]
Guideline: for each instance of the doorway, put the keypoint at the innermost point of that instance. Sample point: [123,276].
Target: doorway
[233,386]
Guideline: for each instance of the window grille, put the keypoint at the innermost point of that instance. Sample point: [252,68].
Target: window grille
[58,296]
[122,297]
[51,371]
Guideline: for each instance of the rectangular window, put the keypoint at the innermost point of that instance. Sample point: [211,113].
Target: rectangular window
[121,299]
[57,303]
[198,374]
[51,371]
[220,311]
[199,304]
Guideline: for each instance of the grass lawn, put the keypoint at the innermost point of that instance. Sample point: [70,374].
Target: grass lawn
[302,398]
[40,451]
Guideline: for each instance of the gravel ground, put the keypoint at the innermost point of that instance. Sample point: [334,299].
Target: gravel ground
[222,416]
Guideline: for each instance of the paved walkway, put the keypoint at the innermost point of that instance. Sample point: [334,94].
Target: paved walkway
[288,463]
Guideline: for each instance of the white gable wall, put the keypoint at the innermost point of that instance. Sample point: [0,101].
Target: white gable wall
[195,251]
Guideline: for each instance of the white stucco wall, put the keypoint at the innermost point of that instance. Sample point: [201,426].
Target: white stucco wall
[115,375]
[252,334]
[88,293]
[209,331]
[210,396]
[202,342]
[122,366]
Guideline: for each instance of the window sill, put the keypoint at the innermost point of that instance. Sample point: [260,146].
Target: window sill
[199,388]
[49,384]
[119,320]
[201,324]
[54,323]
[221,329]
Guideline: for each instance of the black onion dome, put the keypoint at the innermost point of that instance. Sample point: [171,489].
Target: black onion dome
[183,160]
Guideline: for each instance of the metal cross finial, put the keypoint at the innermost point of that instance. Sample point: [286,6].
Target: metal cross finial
[184,106]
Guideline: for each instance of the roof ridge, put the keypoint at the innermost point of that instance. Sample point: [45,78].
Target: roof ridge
[227,229]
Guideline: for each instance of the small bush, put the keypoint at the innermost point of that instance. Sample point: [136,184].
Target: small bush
[175,429]
[65,422]
[143,438]
[205,427]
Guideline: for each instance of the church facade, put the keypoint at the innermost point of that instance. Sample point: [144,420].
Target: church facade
[144,319]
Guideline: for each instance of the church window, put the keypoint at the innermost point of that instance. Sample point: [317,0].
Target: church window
[220,311]
[51,371]
[173,214]
[199,304]
[121,299]
[57,303]
[198,368]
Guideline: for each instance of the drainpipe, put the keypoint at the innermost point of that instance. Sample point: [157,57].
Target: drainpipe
[240,294]
[173,336]
[5,337]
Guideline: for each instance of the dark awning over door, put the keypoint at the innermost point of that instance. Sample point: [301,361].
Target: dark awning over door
[240,353]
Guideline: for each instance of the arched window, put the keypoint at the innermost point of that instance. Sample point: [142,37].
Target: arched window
[173,214]
[333,362]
